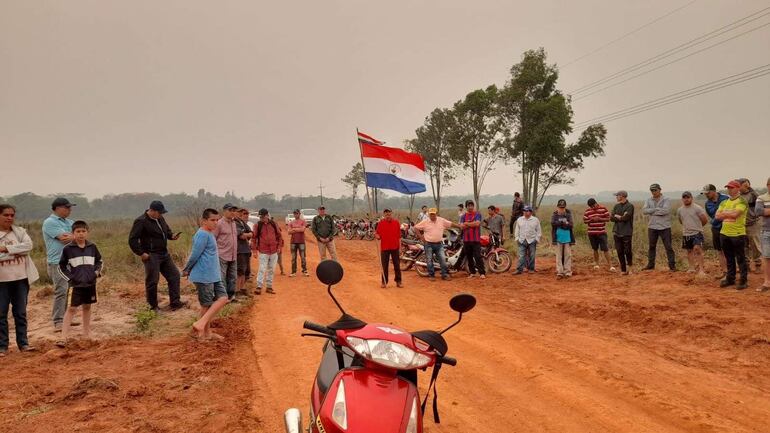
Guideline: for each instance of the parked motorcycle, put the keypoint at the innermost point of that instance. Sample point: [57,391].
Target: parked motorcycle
[410,251]
[496,259]
[367,379]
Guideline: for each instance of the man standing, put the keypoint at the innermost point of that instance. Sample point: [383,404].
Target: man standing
[693,218]
[762,209]
[460,211]
[423,215]
[389,235]
[149,240]
[57,232]
[17,272]
[431,231]
[470,222]
[562,238]
[226,234]
[732,212]
[753,226]
[713,200]
[296,230]
[658,208]
[494,223]
[517,210]
[596,218]
[243,262]
[324,231]
[623,230]
[527,233]
[267,241]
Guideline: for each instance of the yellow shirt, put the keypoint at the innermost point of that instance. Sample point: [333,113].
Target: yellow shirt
[734,227]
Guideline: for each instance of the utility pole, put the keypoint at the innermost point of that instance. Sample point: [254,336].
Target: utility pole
[300,200]
[321,187]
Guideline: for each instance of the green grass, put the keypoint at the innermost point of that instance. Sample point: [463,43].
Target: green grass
[144,319]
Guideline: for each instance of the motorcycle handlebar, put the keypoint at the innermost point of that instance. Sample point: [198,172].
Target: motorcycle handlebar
[319,328]
[447,360]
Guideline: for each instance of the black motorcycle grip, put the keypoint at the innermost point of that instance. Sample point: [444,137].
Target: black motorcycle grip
[319,328]
[447,360]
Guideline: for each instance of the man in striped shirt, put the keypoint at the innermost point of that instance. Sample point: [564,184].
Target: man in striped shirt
[596,218]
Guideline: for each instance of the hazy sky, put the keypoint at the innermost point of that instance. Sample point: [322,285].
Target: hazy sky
[251,96]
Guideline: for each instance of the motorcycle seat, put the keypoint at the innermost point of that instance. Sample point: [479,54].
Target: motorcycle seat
[329,367]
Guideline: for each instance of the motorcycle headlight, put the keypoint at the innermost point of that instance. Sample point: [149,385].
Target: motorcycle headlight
[388,353]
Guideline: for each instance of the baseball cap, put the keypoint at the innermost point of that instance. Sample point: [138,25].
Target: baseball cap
[61,201]
[157,206]
[527,208]
[742,179]
[229,206]
[621,193]
[687,194]
[561,203]
[591,201]
[708,187]
[655,186]
[321,207]
[432,210]
[387,209]
[296,211]
[733,184]
[263,212]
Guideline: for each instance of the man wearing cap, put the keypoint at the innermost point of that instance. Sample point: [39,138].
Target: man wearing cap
[431,231]
[389,234]
[713,200]
[296,229]
[596,218]
[658,208]
[623,230]
[563,238]
[762,209]
[267,241]
[732,212]
[527,233]
[243,265]
[149,240]
[57,232]
[693,218]
[753,226]
[324,230]
[494,223]
[226,235]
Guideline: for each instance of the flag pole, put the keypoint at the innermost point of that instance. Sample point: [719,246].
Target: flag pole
[369,200]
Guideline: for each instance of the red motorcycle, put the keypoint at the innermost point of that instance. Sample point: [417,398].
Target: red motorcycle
[367,379]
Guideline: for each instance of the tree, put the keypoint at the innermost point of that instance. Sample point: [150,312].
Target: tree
[433,143]
[475,135]
[536,118]
[354,179]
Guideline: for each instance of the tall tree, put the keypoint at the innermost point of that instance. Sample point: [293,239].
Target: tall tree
[475,135]
[354,179]
[433,143]
[536,118]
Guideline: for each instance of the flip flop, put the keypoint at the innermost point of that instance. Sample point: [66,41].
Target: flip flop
[215,336]
[61,343]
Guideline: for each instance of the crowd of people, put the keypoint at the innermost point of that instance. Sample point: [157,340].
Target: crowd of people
[219,263]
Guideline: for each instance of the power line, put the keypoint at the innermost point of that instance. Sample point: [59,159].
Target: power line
[709,87]
[596,50]
[671,62]
[670,52]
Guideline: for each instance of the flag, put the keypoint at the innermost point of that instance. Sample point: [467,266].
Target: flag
[365,139]
[392,168]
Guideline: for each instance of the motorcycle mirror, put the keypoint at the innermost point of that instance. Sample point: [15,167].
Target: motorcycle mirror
[462,303]
[329,272]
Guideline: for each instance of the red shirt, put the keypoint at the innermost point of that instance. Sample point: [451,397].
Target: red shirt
[390,234]
[597,227]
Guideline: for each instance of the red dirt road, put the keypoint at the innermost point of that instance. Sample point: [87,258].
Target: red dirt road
[654,352]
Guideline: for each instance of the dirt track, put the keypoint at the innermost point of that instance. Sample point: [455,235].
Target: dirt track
[654,352]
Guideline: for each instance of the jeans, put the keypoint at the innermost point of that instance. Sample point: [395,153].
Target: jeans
[735,253]
[625,252]
[472,252]
[385,257]
[527,256]
[754,243]
[14,293]
[436,248]
[161,264]
[266,266]
[298,248]
[229,270]
[323,247]
[60,286]
[564,259]
[665,235]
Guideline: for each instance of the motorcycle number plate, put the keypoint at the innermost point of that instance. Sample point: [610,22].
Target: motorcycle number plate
[318,424]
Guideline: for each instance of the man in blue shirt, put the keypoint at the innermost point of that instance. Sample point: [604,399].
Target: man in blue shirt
[713,200]
[57,232]
[471,225]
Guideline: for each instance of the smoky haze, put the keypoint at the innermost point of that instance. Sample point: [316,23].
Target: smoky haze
[100,97]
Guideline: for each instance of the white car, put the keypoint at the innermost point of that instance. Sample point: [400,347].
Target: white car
[289,218]
[308,215]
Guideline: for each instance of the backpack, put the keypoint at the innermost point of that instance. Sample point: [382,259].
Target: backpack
[261,224]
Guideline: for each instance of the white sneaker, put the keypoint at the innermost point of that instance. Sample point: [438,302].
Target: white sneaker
[471,276]
[483,277]
[292,275]
[612,269]
[596,267]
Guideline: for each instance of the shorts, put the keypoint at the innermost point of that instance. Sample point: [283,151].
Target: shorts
[82,296]
[599,241]
[243,265]
[717,239]
[764,240]
[210,292]
[690,242]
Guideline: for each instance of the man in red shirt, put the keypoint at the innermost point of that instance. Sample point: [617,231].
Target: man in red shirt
[389,234]
[596,218]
